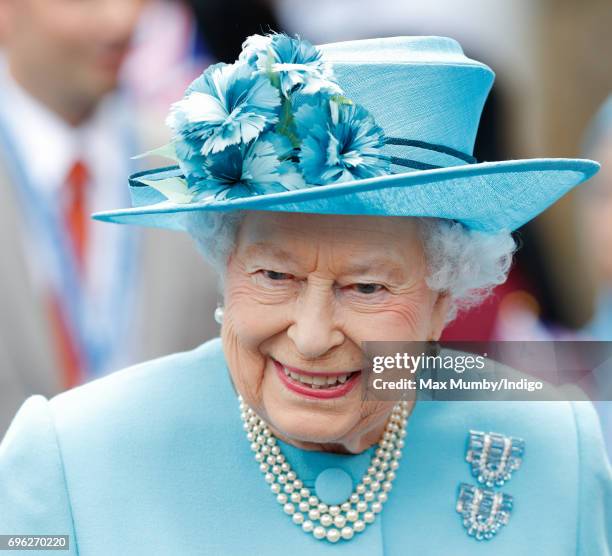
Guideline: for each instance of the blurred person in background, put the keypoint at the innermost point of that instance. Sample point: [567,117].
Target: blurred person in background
[595,211]
[74,303]
[595,231]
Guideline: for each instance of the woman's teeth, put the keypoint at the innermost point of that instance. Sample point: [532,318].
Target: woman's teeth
[319,381]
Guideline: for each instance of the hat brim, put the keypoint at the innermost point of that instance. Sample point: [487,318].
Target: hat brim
[489,196]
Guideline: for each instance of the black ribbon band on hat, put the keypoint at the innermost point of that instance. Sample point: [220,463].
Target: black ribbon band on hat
[409,163]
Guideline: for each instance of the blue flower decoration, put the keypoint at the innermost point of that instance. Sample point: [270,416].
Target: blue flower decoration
[271,122]
[340,141]
[257,168]
[293,64]
[227,105]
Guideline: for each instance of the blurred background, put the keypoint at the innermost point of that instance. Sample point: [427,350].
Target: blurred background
[86,84]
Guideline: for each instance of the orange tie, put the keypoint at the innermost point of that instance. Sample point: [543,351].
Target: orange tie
[75,223]
[75,213]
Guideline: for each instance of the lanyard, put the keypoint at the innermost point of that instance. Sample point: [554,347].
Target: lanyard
[100,332]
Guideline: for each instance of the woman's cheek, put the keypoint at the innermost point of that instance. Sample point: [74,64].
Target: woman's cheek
[247,324]
[405,318]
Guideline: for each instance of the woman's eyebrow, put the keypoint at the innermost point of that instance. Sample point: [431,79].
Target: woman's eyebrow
[378,267]
[271,250]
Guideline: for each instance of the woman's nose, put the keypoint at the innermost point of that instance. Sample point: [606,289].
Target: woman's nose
[314,330]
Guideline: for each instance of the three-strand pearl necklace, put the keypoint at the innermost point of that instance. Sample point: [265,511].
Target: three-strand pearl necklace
[323,521]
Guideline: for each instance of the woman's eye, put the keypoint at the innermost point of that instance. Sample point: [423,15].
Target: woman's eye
[368,288]
[276,276]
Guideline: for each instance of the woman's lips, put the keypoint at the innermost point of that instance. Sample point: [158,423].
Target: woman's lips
[317,385]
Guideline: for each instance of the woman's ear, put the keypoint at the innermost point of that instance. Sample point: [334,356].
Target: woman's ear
[439,312]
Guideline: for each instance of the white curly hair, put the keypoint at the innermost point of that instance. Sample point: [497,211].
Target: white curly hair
[464,263]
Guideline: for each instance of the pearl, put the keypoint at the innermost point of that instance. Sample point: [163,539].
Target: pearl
[347,533]
[366,500]
[319,532]
[352,515]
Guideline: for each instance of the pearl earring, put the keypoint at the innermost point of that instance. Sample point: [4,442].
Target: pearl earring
[219,314]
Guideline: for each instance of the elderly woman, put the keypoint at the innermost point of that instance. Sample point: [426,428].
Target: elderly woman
[334,190]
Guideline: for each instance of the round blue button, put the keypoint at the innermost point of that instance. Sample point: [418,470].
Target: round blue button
[333,486]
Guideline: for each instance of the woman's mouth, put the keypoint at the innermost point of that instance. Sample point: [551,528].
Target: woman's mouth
[317,385]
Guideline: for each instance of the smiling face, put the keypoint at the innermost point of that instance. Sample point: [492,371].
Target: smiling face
[302,291]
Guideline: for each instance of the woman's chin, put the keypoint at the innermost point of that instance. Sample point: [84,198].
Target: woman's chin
[303,425]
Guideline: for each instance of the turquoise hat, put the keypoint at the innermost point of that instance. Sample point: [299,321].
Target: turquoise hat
[368,127]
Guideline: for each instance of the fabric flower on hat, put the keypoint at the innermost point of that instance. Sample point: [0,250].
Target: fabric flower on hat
[257,168]
[295,64]
[340,141]
[269,123]
[227,105]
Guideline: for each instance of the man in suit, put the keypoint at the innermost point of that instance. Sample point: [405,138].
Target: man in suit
[77,298]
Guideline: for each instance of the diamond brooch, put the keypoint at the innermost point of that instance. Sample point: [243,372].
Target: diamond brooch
[493,458]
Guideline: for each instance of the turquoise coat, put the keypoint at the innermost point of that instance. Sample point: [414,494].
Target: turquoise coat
[153,460]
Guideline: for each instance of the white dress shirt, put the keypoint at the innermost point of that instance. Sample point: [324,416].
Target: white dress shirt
[46,147]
